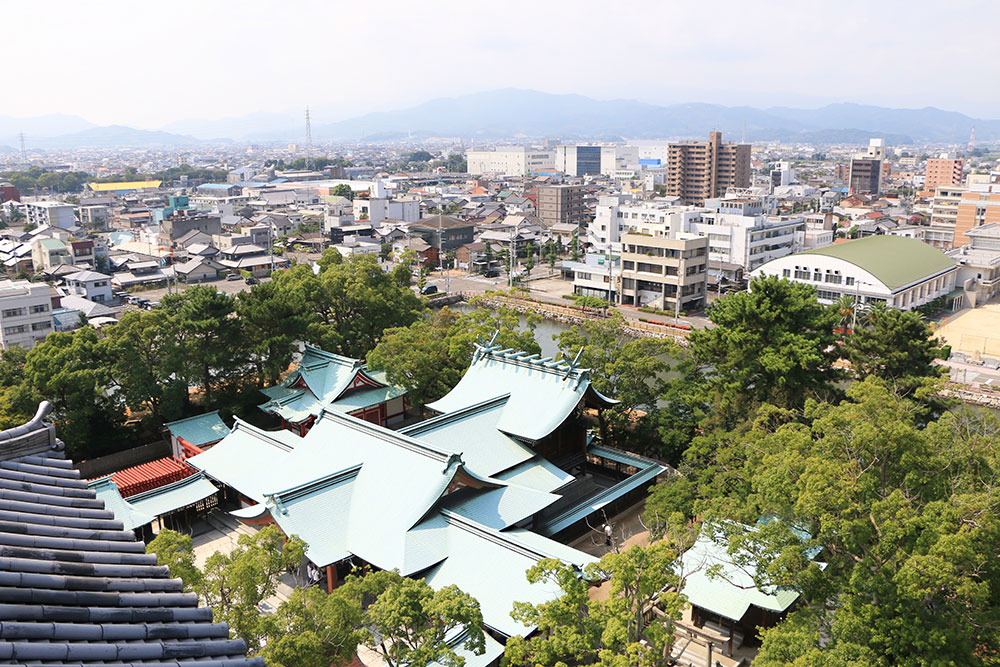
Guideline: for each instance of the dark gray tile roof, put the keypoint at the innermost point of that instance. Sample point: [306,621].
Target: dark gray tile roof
[77,588]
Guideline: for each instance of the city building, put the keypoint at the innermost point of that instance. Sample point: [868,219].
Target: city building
[25,313]
[562,204]
[578,160]
[510,161]
[90,284]
[443,232]
[667,271]
[596,275]
[944,215]
[976,208]
[942,171]
[901,272]
[8,192]
[184,221]
[866,170]
[700,170]
[49,252]
[51,213]
[979,264]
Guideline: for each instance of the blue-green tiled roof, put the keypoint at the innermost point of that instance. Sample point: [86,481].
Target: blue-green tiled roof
[201,429]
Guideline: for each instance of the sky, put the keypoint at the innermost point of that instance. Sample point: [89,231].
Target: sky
[146,64]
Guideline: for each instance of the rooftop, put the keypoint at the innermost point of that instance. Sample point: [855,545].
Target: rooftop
[895,260]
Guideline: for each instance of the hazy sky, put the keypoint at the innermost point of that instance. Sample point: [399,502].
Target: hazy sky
[148,63]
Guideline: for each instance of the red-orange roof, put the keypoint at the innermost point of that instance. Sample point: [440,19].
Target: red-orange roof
[151,475]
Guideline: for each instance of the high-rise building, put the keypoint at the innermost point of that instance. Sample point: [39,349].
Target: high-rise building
[866,169]
[561,203]
[976,209]
[700,170]
[943,172]
[578,160]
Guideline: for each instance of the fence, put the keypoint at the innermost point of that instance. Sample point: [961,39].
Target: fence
[105,465]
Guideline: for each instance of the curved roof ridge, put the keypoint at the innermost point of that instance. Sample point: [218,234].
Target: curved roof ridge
[896,261]
[392,437]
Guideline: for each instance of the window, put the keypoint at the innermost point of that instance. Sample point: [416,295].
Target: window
[41,326]
[40,308]
[20,328]
[801,275]
[817,276]
[833,278]
[786,273]
[849,280]
[13,312]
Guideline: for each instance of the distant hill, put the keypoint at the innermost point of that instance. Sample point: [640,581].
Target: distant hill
[36,127]
[115,136]
[512,113]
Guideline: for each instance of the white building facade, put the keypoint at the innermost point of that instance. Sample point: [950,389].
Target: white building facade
[510,161]
[901,272]
[25,313]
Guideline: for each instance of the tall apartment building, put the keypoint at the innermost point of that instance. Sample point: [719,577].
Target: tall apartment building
[943,172]
[976,209]
[700,170]
[667,272]
[510,161]
[866,169]
[562,203]
[25,313]
[51,213]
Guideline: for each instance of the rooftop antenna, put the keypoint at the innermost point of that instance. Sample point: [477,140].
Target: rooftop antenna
[309,137]
[24,153]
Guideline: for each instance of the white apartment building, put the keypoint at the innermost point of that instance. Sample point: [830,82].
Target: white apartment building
[51,213]
[510,161]
[738,230]
[25,313]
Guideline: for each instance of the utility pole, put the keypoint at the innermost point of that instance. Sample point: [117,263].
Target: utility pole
[309,137]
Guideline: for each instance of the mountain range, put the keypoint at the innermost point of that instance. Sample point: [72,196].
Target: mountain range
[519,114]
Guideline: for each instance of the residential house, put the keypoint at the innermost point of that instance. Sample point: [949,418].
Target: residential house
[90,284]
[198,269]
[49,252]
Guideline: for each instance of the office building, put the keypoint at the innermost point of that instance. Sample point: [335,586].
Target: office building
[943,172]
[578,160]
[510,161]
[975,209]
[700,170]
[665,272]
[562,204]
[25,313]
[866,169]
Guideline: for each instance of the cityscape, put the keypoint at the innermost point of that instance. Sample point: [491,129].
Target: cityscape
[426,336]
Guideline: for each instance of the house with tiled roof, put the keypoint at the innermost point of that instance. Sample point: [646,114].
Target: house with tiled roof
[76,587]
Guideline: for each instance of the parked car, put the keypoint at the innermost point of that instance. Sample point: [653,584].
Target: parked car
[429,289]
[491,273]
[233,276]
[252,280]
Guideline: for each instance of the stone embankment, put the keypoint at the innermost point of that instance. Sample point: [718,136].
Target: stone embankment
[573,316]
[972,394]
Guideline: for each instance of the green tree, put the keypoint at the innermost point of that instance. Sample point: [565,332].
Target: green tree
[67,369]
[344,190]
[314,629]
[630,370]
[234,584]
[362,301]
[407,621]
[574,249]
[273,318]
[774,343]
[139,355]
[176,551]
[580,630]
[429,356]
[898,347]
[206,328]
[906,517]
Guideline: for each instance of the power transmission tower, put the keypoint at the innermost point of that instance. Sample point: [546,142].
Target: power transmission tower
[24,153]
[972,139]
[309,137]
